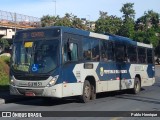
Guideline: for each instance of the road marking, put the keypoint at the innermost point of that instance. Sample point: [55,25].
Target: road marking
[116,118]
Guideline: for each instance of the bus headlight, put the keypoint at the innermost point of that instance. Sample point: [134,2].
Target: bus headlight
[53,81]
[12,82]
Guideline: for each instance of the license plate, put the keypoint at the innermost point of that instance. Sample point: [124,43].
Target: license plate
[34,84]
[29,94]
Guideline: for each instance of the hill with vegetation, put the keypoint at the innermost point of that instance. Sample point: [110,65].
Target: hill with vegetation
[4,72]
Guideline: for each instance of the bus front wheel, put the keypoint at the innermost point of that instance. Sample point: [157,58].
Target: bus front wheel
[93,92]
[86,95]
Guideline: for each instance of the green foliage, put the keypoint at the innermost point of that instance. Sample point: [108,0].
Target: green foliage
[128,11]
[48,20]
[148,20]
[147,29]
[4,72]
[4,44]
[77,23]
[68,20]
[108,24]
[147,36]
[127,29]
[63,22]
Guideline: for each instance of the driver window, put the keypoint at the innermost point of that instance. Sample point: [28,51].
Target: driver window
[70,52]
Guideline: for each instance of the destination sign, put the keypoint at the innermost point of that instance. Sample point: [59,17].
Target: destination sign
[37,34]
[33,35]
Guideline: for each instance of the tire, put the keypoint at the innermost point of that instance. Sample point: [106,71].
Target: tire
[93,92]
[86,95]
[137,86]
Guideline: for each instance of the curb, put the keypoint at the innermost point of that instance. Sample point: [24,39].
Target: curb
[13,99]
[2,101]
[5,97]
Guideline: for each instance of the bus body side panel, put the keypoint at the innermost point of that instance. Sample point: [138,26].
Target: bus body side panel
[107,75]
[116,75]
[145,71]
[127,81]
[74,76]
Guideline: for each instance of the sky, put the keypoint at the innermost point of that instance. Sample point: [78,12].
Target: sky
[88,9]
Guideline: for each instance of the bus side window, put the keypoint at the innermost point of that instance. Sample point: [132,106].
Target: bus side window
[141,55]
[103,45]
[95,50]
[86,49]
[110,51]
[120,52]
[149,56]
[132,54]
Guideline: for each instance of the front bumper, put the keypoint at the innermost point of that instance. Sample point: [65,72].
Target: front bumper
[54,91]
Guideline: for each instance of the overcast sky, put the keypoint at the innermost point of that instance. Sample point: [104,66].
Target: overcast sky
[82,8]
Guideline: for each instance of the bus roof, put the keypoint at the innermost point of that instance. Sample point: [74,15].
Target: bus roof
[116,38]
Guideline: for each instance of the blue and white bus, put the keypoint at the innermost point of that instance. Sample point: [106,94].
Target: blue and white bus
[61,62]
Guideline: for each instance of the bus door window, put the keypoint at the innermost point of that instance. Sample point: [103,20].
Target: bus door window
[73,52]
[70,51]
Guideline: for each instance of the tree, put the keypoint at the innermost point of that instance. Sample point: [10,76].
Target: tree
[148,20]
[128,11]
[64,22]
[108,24]
[147,28]
[147,37]
[103,15]
[48,20]
[3,45]
[77,23]
[127,29]
[68,20]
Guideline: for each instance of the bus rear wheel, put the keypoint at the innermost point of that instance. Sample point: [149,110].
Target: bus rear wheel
[137,86]
[86,95]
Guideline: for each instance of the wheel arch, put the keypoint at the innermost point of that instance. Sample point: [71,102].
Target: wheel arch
[91,80]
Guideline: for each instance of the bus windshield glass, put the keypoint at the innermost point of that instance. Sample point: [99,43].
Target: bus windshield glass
[39,56]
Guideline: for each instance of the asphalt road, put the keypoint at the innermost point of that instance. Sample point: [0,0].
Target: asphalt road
[147,100]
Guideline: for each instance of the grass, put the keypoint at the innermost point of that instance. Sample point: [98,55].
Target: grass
[4,72]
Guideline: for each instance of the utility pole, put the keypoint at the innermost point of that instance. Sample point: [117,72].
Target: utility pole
[15,22]
[89,21]
[55,7]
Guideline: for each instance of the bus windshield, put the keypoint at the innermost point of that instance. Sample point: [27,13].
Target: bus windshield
[35,56]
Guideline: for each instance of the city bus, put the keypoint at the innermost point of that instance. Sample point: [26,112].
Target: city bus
[58,62]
